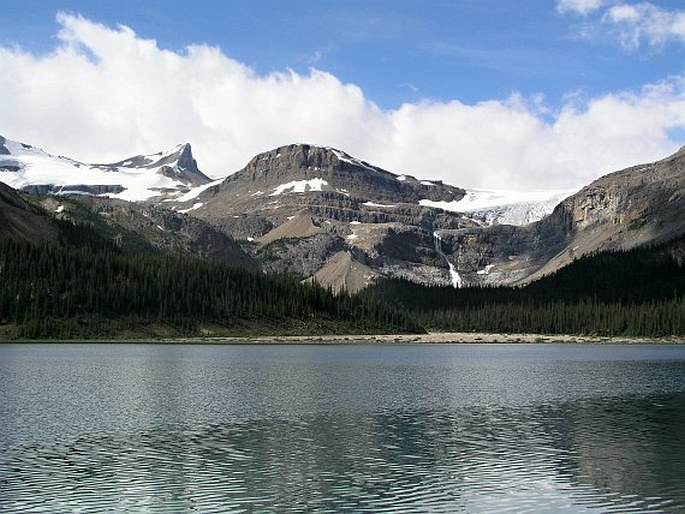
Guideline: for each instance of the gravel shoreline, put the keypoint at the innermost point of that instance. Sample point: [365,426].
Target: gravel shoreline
[430,338]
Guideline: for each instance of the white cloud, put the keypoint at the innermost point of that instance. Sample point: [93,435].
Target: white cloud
[104,94]
[579,6]
[645,21]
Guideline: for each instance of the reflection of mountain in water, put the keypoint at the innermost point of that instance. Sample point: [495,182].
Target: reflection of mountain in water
[597,453]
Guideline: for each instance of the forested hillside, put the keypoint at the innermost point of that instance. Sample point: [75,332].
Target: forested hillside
[82,285]
[639,293]
[59,290]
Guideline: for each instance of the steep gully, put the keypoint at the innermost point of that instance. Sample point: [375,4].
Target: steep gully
[457,281]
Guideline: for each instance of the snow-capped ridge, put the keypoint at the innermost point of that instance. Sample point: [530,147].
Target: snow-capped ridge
[137,178]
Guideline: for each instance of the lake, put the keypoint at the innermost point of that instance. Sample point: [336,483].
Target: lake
[343,428]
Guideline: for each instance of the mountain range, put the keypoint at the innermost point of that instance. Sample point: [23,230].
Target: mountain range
[323,215]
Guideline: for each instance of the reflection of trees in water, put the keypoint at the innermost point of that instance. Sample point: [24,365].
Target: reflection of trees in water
[628,446]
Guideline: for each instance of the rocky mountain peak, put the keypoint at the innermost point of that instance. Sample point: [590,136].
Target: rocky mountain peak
[180,164]
[303,168]
[308,157]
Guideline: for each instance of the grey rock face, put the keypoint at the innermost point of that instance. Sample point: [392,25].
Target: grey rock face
[638,206]
[343,204]
[18,217]
[164,229]
[330,184]
[343,175]
[3,148]
[375,215]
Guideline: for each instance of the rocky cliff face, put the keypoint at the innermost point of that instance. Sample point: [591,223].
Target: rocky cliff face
[178,164]
[326,180]
[637,206]
[304,207]
[302,168]
[125,222]
[129,225]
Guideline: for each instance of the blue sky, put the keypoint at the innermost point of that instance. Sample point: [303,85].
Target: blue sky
[520,72]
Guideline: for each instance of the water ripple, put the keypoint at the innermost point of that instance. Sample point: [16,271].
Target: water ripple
[438,461]
[153,429]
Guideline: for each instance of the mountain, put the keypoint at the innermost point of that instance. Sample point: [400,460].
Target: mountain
[315,211]
[129,226]
[639,206]
[317,178]
[143,177]
[299,206]
[320,214]
[635,207]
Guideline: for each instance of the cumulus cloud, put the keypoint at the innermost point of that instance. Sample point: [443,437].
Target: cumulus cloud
[105,93]
[645,21]
[578,6]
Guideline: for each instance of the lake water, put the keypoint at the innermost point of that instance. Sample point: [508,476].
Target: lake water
[345,428]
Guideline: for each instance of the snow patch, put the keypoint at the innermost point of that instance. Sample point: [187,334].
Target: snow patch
[485,271]
[196,191]
[196,205]
[352,237]
[402,178]
[342,156]
[300,186]
[355,222]
[427,183]
[371,204]
[59,209]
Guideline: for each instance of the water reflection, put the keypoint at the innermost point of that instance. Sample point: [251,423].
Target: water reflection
[264,431]
[633,448]
[601,455]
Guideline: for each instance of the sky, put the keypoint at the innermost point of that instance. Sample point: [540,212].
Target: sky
[503,94]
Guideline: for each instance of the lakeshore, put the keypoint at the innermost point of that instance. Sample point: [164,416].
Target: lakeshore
[430,338]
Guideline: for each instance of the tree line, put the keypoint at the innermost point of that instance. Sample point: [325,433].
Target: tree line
[85,286]
[60,290]
[640,292]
